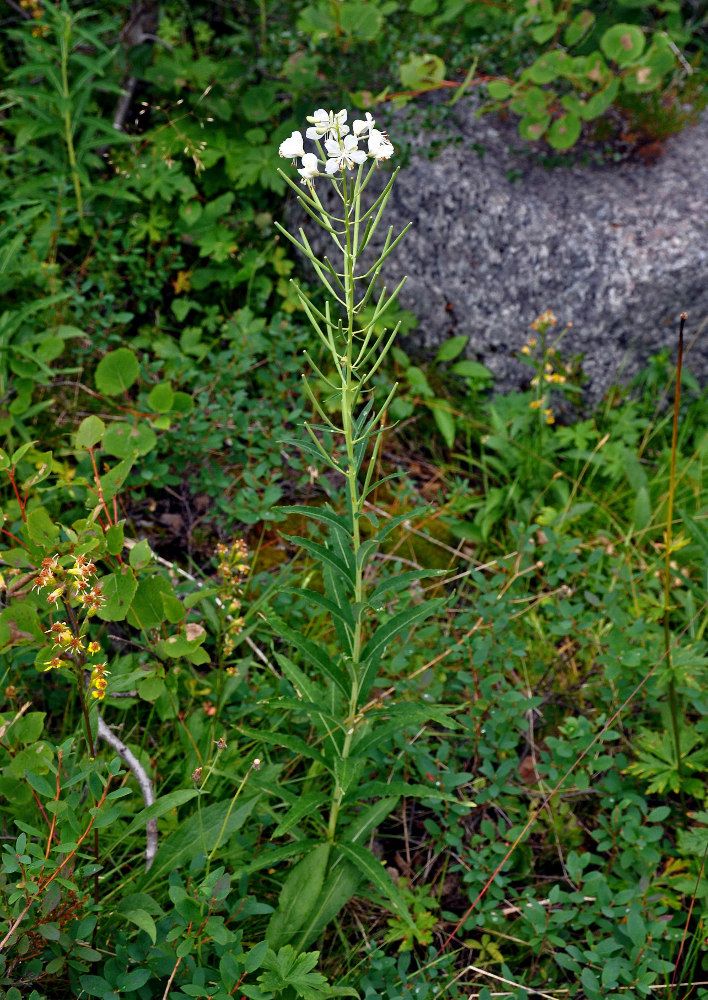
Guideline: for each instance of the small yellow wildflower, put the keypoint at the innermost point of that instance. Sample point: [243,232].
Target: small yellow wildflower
[98,681]
[543,321]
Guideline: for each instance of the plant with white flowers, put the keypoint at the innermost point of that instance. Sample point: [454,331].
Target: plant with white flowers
[342,803]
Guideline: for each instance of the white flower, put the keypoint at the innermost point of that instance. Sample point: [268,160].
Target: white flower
[360,126]
[292,147]
[380,147]
[327,121]
[309,170]
[343,154]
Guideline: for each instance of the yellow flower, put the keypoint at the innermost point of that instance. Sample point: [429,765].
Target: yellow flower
[98,681]
[546,319]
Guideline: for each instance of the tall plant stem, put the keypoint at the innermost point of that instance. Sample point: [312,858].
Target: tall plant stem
[350,394]
[668,545]
[92,754]
[68,132]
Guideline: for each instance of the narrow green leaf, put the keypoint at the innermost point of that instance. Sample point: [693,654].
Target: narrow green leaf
[471,369]
[325,555]
[338,889]
[444,420]
[311,803]
[642,509]
[267,859]
[401,581]
[401,519]
[112,481]
[302,684]
[369,818]
[298,896]
[374,788]
[196,834]
[342,613]
[376,873]
[386,633]
[173,800]
[293,743]
[318,657]
[322,514]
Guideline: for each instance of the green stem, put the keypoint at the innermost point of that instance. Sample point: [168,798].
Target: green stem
[668,545]
[66,95]
[222,831]
[350,393]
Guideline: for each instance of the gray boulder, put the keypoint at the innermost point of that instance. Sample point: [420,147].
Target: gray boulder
[617,250]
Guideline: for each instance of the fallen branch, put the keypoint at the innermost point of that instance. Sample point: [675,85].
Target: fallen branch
[108,736]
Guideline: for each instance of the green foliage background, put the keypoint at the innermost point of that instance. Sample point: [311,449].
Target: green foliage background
[530,809]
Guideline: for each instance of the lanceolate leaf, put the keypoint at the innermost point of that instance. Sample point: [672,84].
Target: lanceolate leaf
[322,514]
[347,614]
[298,896]
[401,581]
[164,804]
[312,803]
[319,658]
[338,889]
[387,632]
[341,612]
[324,555]
[366,550]
[266,859]
[375,872]
[293,743]
[374,788]
[317,713]
[368,819]
[394,522]
[304,687]
[398,718]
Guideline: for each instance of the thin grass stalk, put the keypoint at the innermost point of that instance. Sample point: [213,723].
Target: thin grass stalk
[668,545]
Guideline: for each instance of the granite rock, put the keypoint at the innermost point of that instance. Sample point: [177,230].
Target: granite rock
[618,250]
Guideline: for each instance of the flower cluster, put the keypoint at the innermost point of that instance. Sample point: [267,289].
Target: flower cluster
[33,9]
[341,151]
[546,363]
[98,678]
[74,587]
[70,584]
[71,650]
[232,570]
[542,322]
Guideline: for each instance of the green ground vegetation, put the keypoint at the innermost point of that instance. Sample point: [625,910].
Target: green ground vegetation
[270,727]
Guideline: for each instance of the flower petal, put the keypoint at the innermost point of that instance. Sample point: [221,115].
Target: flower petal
[292,146]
